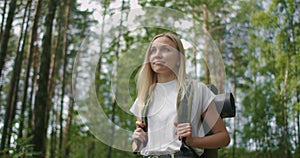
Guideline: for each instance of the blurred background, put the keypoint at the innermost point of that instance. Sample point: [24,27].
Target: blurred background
[44,44]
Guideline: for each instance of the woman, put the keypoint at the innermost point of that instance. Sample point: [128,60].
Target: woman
[160,80]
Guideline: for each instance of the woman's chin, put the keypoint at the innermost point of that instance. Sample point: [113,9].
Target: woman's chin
[163,72]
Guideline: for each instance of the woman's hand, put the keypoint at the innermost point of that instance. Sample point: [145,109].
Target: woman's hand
[139,135]
[184,130]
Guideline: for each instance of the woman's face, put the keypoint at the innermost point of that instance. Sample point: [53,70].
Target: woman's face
[163,56]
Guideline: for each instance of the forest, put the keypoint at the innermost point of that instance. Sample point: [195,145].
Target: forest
[68,70]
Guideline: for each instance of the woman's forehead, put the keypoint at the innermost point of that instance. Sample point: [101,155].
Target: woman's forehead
[163,41]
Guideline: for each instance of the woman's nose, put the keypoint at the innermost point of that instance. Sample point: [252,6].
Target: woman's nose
[158,54]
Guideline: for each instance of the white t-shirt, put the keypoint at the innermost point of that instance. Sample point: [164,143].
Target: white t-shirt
[162,114]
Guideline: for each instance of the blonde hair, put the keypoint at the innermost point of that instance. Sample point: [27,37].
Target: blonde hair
[147,77]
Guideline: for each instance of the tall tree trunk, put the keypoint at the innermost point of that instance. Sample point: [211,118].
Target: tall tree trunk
[114,102]
[53,135]
[195,46]
[69,120]
[67,132]
[13,91]
[2,19]
[294,47]
[5,37]
[41,110]
[64,63]
[99,66]
[285,122]
[220,80]
[33,53]
[51,86]
[54,70]
[206,44]
[234,92]
[109,151]
[23,107]
[30,121]
[289,47]
[1,33]
[298,116]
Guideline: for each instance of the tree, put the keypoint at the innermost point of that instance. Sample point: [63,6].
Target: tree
[24,97]
[55,65]
[64,63]
[273,45]
[6,35]
[41,110]
[2,19]
[13,91]
[258,40]
[33,55]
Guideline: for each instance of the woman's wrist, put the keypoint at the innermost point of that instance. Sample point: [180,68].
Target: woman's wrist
[191,142]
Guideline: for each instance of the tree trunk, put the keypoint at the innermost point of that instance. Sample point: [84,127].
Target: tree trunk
[41,110]
[5,38]
[33,53]
[64,63]
[1,33]
[13,91]
[114,102]
[51,86]
[67,132]
[53,136]
[61,120]
[69,120]
[220,80]
[30,121]
[54,70]
[206,44]
[298,117]
[285,117]
[195,46]
[234,92]
[99,66]
[2,19]
[23,107]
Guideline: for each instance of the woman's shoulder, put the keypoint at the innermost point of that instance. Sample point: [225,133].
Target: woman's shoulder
[195,83]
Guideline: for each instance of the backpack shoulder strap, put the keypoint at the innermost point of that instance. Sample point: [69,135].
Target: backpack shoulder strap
[145,121]
[184,105]
[184,110]
[145,111]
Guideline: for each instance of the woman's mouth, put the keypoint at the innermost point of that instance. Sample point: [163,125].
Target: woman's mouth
[158,63]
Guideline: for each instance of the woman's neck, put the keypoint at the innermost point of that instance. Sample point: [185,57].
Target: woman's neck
[162,78]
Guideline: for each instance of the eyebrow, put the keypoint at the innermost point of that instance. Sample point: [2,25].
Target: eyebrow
[162,45]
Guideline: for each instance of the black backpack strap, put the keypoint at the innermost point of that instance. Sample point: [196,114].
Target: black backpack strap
[184,104]
[145,111]
[145,121]
[184,110]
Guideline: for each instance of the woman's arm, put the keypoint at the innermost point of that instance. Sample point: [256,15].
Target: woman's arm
[219,137]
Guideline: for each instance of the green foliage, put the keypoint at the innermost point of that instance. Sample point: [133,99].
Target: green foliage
[268,101]
[259,42]
[24,149]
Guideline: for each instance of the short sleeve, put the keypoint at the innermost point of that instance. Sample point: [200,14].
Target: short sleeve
[203,96]
[207,96]
[135,108]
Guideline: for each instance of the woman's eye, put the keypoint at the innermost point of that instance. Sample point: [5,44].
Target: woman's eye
[166,49]
[152,51]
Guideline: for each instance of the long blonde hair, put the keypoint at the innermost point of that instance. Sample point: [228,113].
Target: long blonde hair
[147,77]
